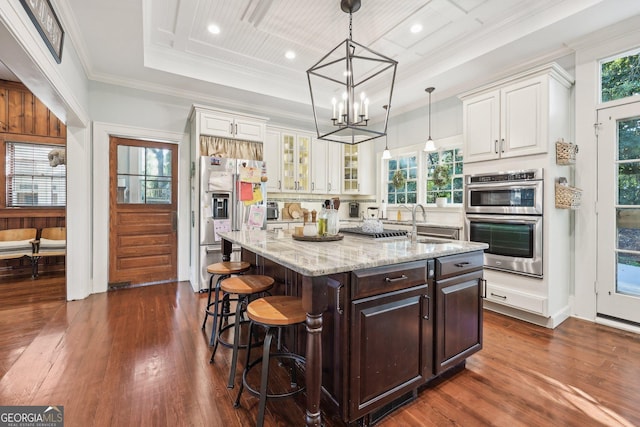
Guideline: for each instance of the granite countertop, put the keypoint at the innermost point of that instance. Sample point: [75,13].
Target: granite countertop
[351,253]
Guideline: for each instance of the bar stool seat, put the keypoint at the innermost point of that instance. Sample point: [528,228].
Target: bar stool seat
[244,287]
[223,270]
[273,313]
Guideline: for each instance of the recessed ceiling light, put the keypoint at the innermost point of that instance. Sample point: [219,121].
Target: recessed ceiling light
[213,29]
[416,28]
[290,54]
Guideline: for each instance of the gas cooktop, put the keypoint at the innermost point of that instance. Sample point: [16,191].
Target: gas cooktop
[375,235]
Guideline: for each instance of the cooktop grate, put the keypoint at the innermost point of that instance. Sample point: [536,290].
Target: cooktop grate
[381,234]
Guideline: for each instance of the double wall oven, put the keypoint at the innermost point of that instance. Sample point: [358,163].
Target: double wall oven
[505,210]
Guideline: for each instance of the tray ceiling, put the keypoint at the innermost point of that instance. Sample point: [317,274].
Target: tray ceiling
[165,43]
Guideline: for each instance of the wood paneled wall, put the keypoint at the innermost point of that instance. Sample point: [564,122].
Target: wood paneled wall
[23,118]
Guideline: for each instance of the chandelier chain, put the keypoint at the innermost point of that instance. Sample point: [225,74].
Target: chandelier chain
[350,25]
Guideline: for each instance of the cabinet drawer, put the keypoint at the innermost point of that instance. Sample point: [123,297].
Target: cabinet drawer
[524,301]
[374,281]
[454,265]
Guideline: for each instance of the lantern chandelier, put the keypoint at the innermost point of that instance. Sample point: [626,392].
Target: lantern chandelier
[349,82]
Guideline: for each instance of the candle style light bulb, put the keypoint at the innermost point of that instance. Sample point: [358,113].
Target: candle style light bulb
[366,109]
[356,106]
[362,98]
[333,103]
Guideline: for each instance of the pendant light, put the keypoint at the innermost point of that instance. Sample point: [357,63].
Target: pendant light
[430,145]
[345,84]
[386,154]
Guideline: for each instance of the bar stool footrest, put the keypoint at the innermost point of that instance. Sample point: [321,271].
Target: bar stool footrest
[258,361]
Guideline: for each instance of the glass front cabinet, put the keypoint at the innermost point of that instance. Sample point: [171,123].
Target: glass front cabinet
[296,149]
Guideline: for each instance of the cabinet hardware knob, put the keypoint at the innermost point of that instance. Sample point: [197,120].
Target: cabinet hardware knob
[338,301]
[395,279]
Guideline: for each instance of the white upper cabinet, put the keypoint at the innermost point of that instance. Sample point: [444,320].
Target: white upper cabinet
[320,167]
[334,167]
[358,170]
[272,155]
[296,161]
[514,117]
[232,126]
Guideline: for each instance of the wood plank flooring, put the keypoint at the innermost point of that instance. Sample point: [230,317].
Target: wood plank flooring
[137,357]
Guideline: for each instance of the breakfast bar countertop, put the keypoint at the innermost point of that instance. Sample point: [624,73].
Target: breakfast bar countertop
[351,253]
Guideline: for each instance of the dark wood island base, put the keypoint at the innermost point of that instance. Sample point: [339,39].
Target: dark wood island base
[376,336]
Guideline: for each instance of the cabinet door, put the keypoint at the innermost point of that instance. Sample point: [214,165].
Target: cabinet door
[523,117]
[272,156]
[458,319]
[334,167]
[217,125]
[391,347]
[481,127]
[303,166]
[296,162]
[248,130]
[366,169]
[350,169]
[288,162]
[319,169]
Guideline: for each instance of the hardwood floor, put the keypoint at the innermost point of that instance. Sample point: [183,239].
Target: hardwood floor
[137,357]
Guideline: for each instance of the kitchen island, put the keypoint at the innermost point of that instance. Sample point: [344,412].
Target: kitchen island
[384,316]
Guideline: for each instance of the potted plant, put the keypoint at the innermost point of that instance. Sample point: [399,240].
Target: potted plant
[442,179]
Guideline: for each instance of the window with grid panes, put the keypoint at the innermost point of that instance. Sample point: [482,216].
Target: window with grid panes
[453,189]
[407,168]
[31,181]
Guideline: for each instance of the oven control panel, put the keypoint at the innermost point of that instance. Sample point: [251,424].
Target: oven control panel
[524,175]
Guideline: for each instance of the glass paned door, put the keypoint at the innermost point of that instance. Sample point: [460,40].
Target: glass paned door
[619,212]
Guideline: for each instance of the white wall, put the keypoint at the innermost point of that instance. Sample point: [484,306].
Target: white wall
[63,89]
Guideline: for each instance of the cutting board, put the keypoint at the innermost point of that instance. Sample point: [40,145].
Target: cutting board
[286,211]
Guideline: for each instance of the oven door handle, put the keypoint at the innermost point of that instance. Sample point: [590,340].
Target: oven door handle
[508,219]
[508,185]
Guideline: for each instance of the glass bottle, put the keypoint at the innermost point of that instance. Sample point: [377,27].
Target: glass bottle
[332,220]
[322,221]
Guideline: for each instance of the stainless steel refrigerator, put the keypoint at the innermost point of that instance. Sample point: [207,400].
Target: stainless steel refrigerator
[233,196]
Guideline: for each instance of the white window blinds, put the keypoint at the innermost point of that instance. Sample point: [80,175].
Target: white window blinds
[31,180]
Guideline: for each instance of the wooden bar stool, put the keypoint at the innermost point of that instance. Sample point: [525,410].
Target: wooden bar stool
[244,287]
[223,270]
[273,313]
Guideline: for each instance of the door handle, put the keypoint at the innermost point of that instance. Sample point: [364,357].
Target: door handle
[495,146]
[339,308]
[174,221]
[502,145]
[426,300]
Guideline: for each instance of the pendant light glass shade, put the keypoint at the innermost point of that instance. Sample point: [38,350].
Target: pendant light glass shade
[430,145]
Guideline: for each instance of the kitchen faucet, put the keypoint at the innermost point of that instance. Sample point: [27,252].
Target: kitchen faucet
[414,228]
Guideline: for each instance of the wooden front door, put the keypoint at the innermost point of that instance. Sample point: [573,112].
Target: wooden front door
[143,211]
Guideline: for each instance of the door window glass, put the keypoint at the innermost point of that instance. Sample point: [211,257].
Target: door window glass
[628,207]
[144,175]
